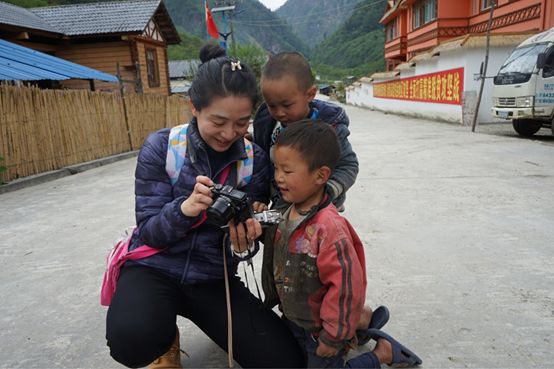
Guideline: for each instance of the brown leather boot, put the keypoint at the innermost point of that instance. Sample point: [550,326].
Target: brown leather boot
[171,359]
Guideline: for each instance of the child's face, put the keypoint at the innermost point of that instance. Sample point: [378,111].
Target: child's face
[297,183]
[224,121]
[286,102]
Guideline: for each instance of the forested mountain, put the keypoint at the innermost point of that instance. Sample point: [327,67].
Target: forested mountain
[313,21]
[252,23]
[358,41]
[355,47]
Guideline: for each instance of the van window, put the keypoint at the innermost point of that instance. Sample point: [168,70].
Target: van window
[522,60]
[548,70]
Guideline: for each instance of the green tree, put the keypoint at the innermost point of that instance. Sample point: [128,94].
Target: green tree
[250,54]
[187,49]
[28,3]
[357,41]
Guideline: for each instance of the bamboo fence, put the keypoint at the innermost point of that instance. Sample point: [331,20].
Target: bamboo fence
[43,130]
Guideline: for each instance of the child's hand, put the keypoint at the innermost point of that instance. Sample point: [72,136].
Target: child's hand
[243,234]
[200,199]
[258,207]
[324,350]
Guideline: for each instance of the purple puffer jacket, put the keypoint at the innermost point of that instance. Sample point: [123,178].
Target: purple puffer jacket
[192,255]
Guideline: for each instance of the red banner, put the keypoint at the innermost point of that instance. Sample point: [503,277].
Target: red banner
[444,87]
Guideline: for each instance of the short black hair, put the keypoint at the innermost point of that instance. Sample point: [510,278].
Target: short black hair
[290,63]
[316,141]
[217,77]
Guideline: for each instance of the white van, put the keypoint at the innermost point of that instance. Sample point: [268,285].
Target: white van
[524,86]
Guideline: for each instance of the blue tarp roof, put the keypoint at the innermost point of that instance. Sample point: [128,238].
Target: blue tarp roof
[18,63]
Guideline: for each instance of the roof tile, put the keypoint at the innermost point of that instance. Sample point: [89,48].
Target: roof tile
[98,18]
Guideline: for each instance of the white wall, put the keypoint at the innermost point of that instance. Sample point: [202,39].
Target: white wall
[474,57]
[469,59]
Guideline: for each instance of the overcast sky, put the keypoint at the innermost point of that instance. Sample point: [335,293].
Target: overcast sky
[273,4]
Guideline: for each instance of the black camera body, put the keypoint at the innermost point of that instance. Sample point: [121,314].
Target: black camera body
[232,204]
[229,204]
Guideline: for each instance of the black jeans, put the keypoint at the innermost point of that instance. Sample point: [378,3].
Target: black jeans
[140,324]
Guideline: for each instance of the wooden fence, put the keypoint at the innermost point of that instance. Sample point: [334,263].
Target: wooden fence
[43,130]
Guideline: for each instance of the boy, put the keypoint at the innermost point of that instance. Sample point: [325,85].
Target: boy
[315,266]
[288,89]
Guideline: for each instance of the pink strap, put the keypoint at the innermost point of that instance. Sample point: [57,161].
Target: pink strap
[142,252]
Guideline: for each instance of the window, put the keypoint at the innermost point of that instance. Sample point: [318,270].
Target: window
[391,31]
[152,68]
[548,70]
[520,65]
[423,12]
[485,4]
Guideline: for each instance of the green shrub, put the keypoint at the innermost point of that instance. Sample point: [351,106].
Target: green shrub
[251,54]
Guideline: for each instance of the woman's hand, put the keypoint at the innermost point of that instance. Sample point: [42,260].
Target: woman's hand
[200,199]
[243,234]
[324,350]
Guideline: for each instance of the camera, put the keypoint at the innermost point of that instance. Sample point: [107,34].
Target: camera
[232,204]
[229,204]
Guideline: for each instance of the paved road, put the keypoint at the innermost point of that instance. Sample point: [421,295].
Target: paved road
[458,230]
[505,129]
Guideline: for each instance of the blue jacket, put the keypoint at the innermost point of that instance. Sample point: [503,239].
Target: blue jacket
[192,255]
[346,171]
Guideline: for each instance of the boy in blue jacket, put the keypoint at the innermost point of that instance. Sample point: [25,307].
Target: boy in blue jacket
[289,91]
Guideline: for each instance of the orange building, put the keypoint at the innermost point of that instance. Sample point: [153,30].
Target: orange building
[416,26]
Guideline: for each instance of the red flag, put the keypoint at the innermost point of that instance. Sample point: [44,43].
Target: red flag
[212,29]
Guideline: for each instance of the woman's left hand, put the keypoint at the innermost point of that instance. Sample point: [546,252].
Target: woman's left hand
[243,234]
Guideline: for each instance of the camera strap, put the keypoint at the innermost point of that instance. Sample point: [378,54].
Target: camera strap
[228,301]
[245,270]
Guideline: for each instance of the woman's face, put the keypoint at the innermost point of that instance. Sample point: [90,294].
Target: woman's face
[224,121]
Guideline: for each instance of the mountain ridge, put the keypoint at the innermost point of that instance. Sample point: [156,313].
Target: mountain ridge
[315,23]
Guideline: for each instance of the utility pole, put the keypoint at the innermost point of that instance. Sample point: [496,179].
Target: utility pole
[483,71]
[225,6]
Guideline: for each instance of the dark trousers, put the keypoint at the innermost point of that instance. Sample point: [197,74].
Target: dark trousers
[140,324]
[309,344]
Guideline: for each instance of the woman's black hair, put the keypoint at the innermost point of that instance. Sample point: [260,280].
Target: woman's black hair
[220,75]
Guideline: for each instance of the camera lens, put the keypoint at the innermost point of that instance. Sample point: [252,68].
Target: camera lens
[221,211]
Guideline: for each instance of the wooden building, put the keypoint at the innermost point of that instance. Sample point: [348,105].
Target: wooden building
[128,39]
[413,27]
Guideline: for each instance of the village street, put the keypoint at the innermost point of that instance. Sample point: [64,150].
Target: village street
[458,229]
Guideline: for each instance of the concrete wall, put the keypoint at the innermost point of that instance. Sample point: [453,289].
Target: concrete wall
[469,59]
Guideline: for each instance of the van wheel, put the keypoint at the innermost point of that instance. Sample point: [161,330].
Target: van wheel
[526,127]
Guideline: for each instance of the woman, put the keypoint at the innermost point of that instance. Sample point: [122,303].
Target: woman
[187,277]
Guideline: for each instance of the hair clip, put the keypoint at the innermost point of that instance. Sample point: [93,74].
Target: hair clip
[236,65]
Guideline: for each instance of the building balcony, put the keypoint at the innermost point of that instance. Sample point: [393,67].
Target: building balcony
[433,33]
[511,17]
[396,48]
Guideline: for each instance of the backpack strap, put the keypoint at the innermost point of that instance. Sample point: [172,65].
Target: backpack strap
[245,167]
[177,151]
